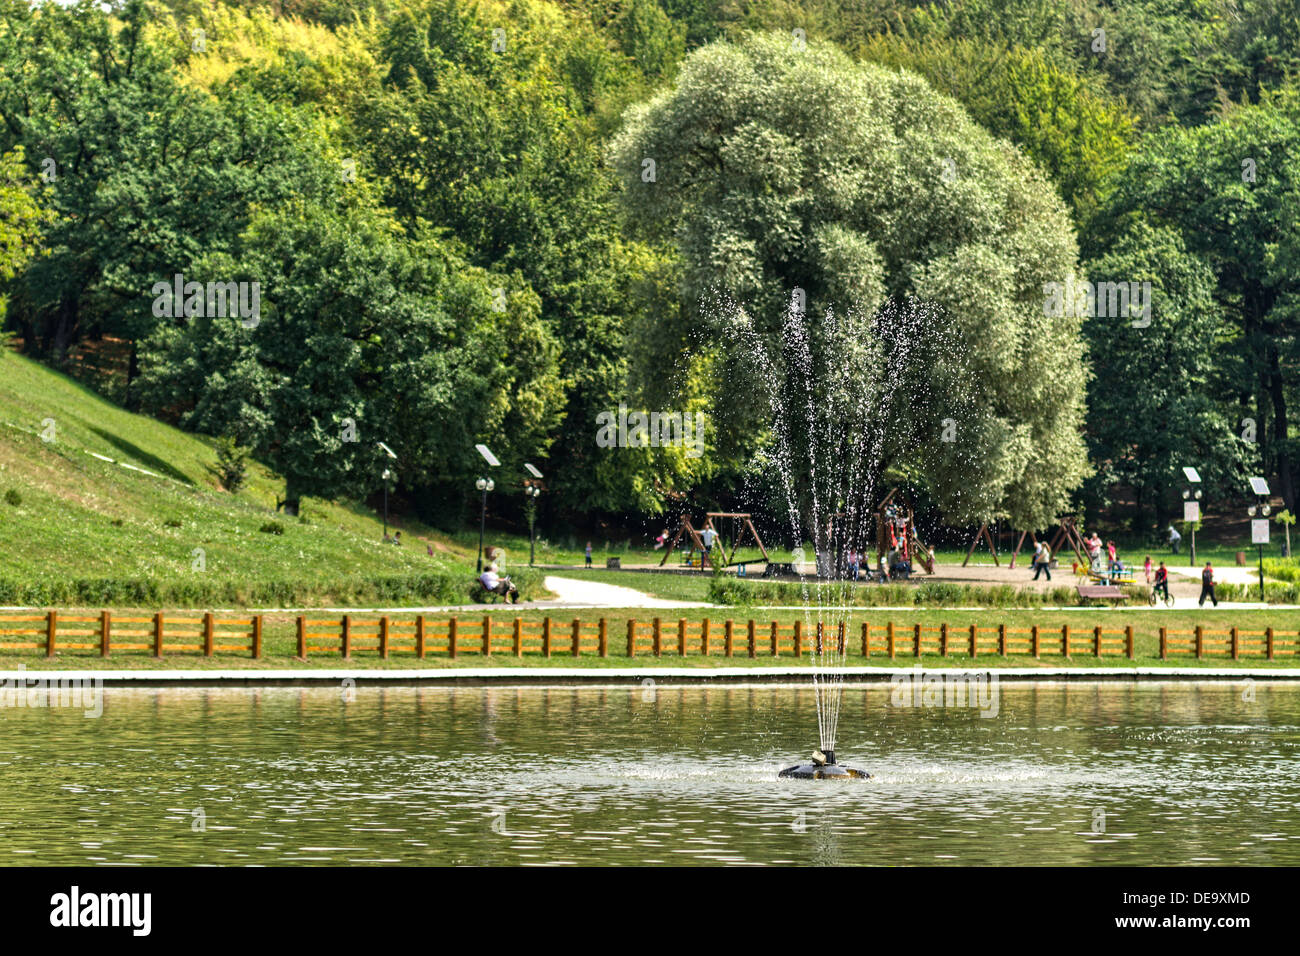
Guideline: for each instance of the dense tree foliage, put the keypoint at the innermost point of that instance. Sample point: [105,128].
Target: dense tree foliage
[422,190]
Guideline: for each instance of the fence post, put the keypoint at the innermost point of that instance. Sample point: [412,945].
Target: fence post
[302,637]
[1033,638]
[798,638]
[383,635]
[916,639]
[631,637]
[487,635]
[1235,645]
[419,636]
[577,636]
[776,640]
[704,637]
[517,637]
[866,639]
[345,636]
[974,641]
[1164,644]
[51,625]
[1268,642]
[753,637]
[889,638]
[1065,640]
[1002,639]
[840,642]
[728,638]
[158,634]
[681,637]
[105,625]
[658,637]
[453,626]
[1128,640]
[208,628]
[257,636]
[604,639]
[1096,641]
[1200,642]
[943,638]
[546,636]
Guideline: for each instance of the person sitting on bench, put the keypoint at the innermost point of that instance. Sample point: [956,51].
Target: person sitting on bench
[494,583]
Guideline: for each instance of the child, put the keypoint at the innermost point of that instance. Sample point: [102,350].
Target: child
[1147,567]
[662,539]
[588,554]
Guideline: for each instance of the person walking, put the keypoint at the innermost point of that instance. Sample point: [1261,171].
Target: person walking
[1207,586]
[1174,538]
[1147,568]
[588,554]
[1043,560]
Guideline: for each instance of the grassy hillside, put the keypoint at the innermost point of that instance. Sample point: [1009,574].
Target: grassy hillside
[119,508]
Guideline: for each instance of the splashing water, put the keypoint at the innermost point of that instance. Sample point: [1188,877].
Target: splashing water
[833,389]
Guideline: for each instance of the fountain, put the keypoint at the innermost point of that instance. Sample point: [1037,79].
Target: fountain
[830,392]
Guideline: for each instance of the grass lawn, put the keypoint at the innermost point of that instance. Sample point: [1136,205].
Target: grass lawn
[156,516]
[279,642]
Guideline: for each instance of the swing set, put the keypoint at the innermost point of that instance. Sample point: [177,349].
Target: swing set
[741,523]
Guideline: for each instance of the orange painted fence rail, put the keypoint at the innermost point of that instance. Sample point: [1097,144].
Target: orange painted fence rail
[161,633]
[421,636]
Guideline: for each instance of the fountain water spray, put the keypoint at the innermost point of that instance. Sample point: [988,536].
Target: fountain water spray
[830,391]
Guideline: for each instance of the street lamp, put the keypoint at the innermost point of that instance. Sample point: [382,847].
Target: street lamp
[484,485]
[1192,508]
[385,476]
[1259,526]
[531,494]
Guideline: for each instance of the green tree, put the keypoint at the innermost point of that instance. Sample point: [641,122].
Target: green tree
[362,338]
[21,215]
[781,169]
[1154,405]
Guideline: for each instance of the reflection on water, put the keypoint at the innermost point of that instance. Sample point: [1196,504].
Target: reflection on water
[1070,774]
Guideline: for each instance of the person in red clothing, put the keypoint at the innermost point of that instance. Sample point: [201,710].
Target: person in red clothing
[1207,586]
[1162,580]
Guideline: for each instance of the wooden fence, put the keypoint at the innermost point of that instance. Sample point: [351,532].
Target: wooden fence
[160,633]
[422,636]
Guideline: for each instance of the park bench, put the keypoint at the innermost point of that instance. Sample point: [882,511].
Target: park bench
[777,569]
[613,563]
[1089,592]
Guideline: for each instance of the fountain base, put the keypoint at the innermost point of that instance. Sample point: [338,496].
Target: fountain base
[823,767]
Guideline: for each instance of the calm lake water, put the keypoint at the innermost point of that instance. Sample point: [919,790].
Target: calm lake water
[1071,774]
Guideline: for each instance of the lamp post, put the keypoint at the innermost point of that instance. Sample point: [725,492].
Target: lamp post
[387,474]
[531,494]
[1192,515]
[484,485]
[1259,527]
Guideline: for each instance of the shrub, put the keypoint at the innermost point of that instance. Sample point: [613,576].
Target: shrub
[272,527]
[232,463]
[172,523]
[13,497]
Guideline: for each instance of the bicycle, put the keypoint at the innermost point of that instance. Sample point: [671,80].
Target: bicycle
[1155,595]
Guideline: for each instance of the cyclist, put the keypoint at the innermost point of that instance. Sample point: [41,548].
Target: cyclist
[1162,581]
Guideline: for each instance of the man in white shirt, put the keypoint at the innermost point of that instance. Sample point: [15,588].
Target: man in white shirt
[492,581]
[707,536]
[1174,538]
